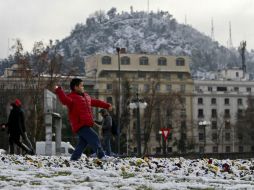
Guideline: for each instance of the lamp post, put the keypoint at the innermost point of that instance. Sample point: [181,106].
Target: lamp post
[119,100]
[137,104]
[204,124]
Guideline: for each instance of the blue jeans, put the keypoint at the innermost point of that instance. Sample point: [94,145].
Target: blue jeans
[106,144]
[87,136]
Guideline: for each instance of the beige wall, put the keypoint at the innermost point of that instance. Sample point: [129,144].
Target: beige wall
[141,75]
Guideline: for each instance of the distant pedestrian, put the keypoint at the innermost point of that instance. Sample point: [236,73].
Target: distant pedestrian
[79,106]
[17,129]
[106,130]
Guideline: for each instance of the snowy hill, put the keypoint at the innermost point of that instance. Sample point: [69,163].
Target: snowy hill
[155,33]
[42,172]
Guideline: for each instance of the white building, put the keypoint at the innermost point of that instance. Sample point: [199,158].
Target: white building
[218,102]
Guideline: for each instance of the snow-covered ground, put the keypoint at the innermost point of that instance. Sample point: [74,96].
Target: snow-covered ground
[42,172]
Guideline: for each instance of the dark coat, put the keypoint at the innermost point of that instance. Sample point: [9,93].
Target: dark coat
[16,122]
[106,124]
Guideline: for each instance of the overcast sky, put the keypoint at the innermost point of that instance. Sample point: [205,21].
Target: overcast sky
[36,20]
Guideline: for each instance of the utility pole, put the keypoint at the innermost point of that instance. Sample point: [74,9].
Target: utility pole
[119,101]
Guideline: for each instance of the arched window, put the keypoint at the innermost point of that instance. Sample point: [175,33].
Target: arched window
[125,60]
[162,61]
[143,60]
[180,62]
[106,60]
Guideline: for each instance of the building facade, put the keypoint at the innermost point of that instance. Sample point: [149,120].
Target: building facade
[219,103]
[154,78]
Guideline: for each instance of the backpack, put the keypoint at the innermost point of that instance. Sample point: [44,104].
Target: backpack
[114,128]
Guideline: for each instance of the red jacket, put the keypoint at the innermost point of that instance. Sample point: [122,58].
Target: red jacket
[79,108]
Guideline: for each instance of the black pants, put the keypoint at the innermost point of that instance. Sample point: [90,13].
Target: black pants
[16,140]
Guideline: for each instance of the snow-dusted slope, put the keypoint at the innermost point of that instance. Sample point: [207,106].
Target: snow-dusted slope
[156,33]
[40,172]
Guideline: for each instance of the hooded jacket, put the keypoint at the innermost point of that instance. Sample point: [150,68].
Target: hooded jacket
[16,121]
[80,108]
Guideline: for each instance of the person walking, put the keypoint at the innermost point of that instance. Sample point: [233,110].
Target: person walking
[79,106]
[106,130]
[17,129]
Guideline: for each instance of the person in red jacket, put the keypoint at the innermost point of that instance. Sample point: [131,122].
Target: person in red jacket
[80,115]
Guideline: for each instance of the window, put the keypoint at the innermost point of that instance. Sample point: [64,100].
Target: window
[109,86]
[162,61]
[180,62]
[237,74]
[214,137]
[141,75]
[200,113]
[200,100]
[240,136]
[236,89]
[168,87]
[183,113]
[227,124]
[221,89]
[125,60]
[201,136]
[106,60]
[214,124]
[248,89]
[146,87]
[239,113]
[214,113]
[180,76]
[213,101]
[227,113]
[183,124]
[157,87]
[240,148]
[227,136]
[215,149]
[143,60]
[240,101]
[210,89]
[227,149]
[226,101]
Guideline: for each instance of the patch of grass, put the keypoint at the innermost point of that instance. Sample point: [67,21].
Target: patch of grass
[4,178]
[42,176]
[209,188]
[35,183]
[62,173]
[143,187]
[127,175]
